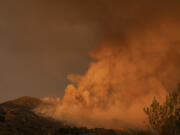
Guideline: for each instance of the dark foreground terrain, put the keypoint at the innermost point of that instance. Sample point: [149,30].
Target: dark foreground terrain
[17,118]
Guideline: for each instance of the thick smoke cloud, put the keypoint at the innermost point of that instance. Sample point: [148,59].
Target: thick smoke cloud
[137,59]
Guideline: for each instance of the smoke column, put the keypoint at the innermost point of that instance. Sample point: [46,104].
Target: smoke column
[128,70]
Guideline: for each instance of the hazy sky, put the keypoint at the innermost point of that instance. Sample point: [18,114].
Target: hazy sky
[42,41]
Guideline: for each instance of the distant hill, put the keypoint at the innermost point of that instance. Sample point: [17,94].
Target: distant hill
[17,118]
[26,101]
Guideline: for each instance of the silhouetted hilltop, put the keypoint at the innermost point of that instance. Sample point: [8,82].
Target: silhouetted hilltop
[17,118]
[26,101]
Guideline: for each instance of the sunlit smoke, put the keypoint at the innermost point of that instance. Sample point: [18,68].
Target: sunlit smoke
[136,60]
[123,78]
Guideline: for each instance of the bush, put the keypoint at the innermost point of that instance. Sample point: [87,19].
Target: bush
[164,118]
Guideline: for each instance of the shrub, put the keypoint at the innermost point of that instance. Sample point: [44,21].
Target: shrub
[164,118]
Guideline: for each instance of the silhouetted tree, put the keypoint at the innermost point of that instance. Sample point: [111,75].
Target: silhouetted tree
[164,118]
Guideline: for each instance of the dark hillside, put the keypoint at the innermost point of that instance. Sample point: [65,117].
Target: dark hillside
[17,118]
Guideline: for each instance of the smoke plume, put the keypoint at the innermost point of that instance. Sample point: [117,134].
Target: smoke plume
[133,63]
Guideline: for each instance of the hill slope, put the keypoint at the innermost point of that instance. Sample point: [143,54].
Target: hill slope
[17,118]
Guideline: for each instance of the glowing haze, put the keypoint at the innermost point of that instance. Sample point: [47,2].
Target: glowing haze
[123,78]
[136,58]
